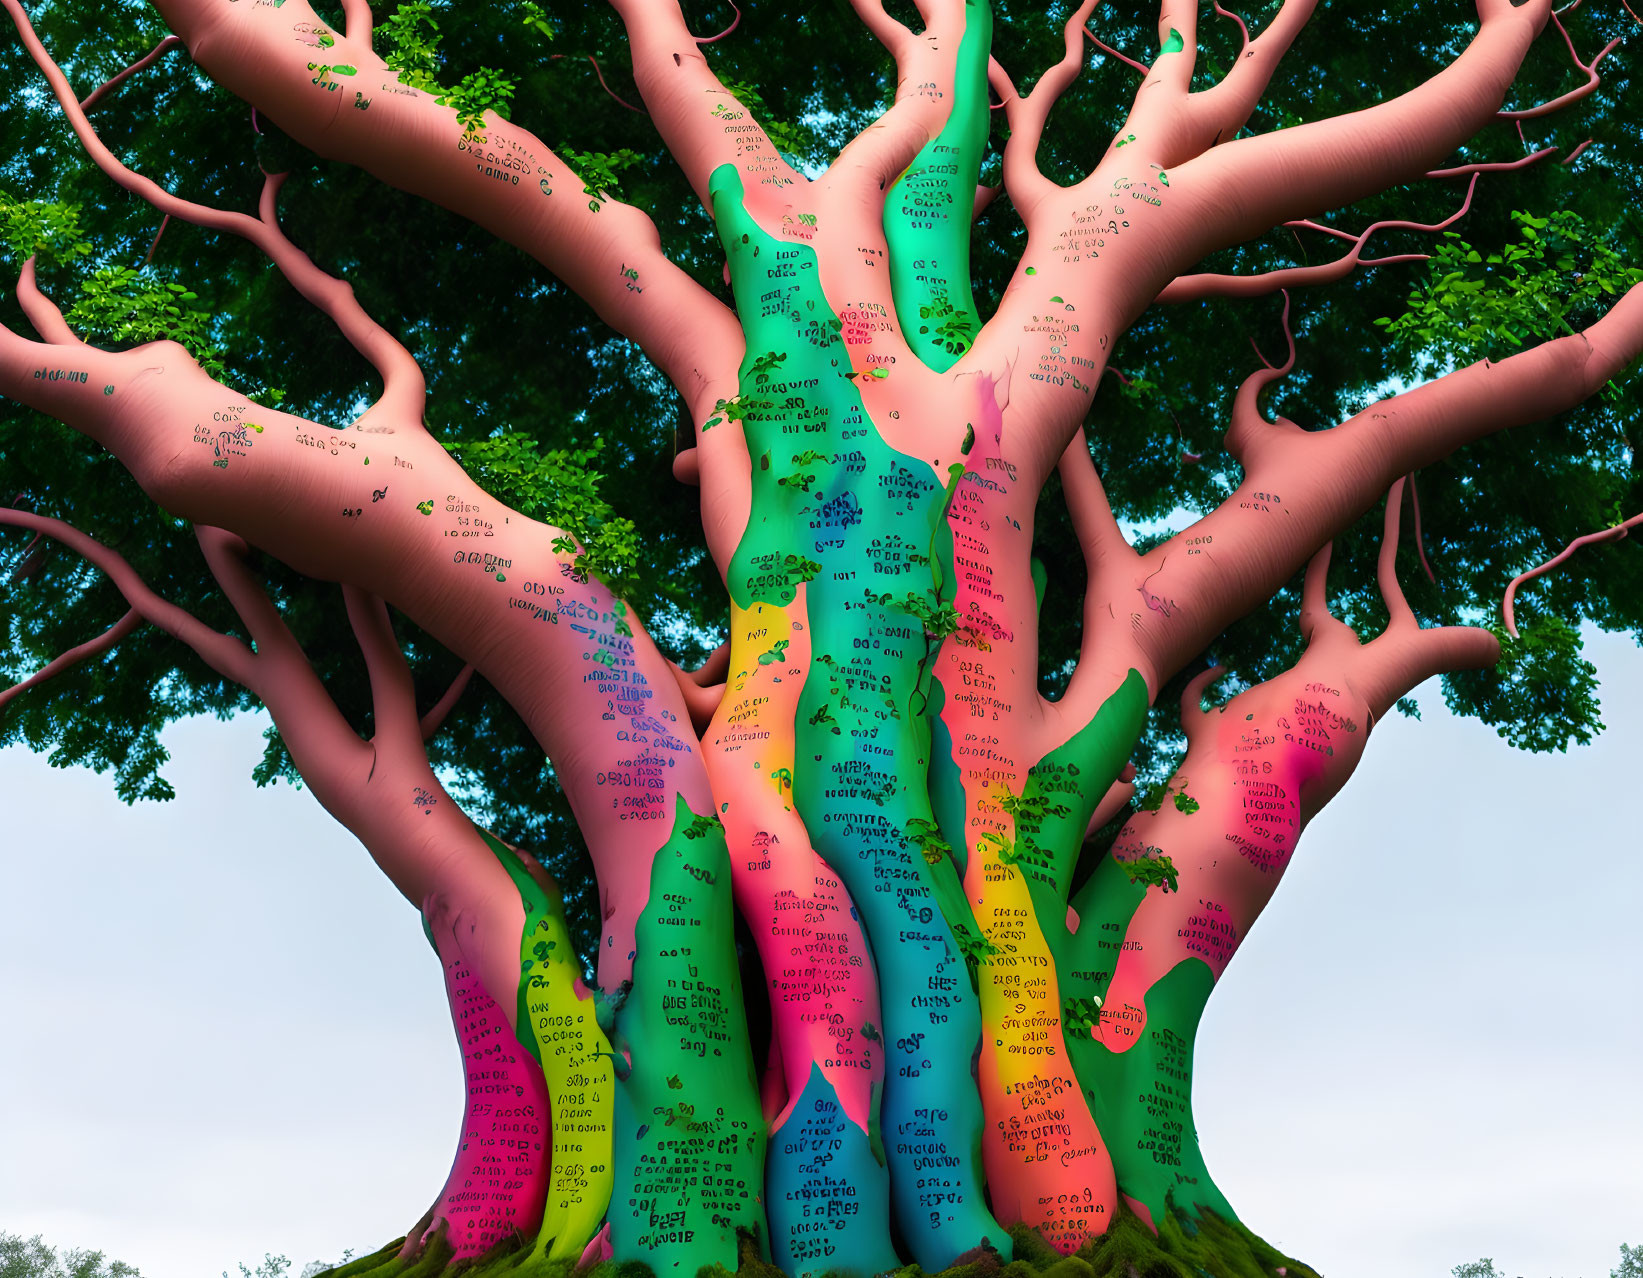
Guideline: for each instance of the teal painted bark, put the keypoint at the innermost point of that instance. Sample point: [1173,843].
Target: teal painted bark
[835,507]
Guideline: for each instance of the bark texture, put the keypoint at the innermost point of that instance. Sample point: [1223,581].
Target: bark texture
[962,1046]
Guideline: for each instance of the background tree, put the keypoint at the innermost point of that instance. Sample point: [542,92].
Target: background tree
[1554,272]
[32,1258]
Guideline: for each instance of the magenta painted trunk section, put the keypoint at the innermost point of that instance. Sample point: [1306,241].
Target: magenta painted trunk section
[500,1177]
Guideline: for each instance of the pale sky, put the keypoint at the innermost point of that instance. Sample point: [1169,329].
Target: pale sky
[225,1033]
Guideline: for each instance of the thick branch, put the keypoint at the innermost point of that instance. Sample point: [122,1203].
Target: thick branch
[329,755]
[403,387]
[302,493]
[1027,116]
[1332,163]
[872,160]
[1099,253]
[1108,558]
[703,124]
[506,180]
[1217,114]
[890,32]
[1300,494]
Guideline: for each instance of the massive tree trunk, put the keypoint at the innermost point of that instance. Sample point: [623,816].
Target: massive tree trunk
[961,1044]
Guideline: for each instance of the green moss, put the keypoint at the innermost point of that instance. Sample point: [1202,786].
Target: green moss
[1186,1246]
[365,1264]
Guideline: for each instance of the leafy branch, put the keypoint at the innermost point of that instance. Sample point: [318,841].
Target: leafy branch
[559,486]
[600,171]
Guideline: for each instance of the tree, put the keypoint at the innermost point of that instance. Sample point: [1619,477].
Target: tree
[927,704]
[31,1258]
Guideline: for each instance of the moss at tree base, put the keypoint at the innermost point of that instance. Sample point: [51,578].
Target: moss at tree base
[1202,1246]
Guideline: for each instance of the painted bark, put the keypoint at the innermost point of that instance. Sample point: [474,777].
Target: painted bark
[960,1044]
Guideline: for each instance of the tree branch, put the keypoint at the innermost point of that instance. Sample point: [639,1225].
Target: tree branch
[1404,655]
[1613,533]
[1316,618]
[1573,95]
[75,655]
[356,14]
[431,722]
[702,700]
[1216,114]
[703,124]
[1534,157]
[1249,430]
[1420,542]
[894,35]
[1108,558]
[1192,288]
[108,86]
[1386,562]
[327,751]
[403,387]
[1192,696]
[393,694]
[1027,116]
[1099,535]
[1300,495]
[1332,163]
[505,180]
[1111,52]
[303,494]
[41,311]
[871,161]
[1119,237]
[223,653]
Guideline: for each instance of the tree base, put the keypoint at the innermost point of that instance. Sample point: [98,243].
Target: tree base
[1185,1246]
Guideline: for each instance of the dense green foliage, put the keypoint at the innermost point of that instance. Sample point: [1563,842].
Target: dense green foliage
[539,401]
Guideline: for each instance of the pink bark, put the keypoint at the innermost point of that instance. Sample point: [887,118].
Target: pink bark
[1191,288]
[1613,533]
[501,182]
[1573,95]
[1107,246]
[1299,486]
[104,642]
[499,1181]
[148,59]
